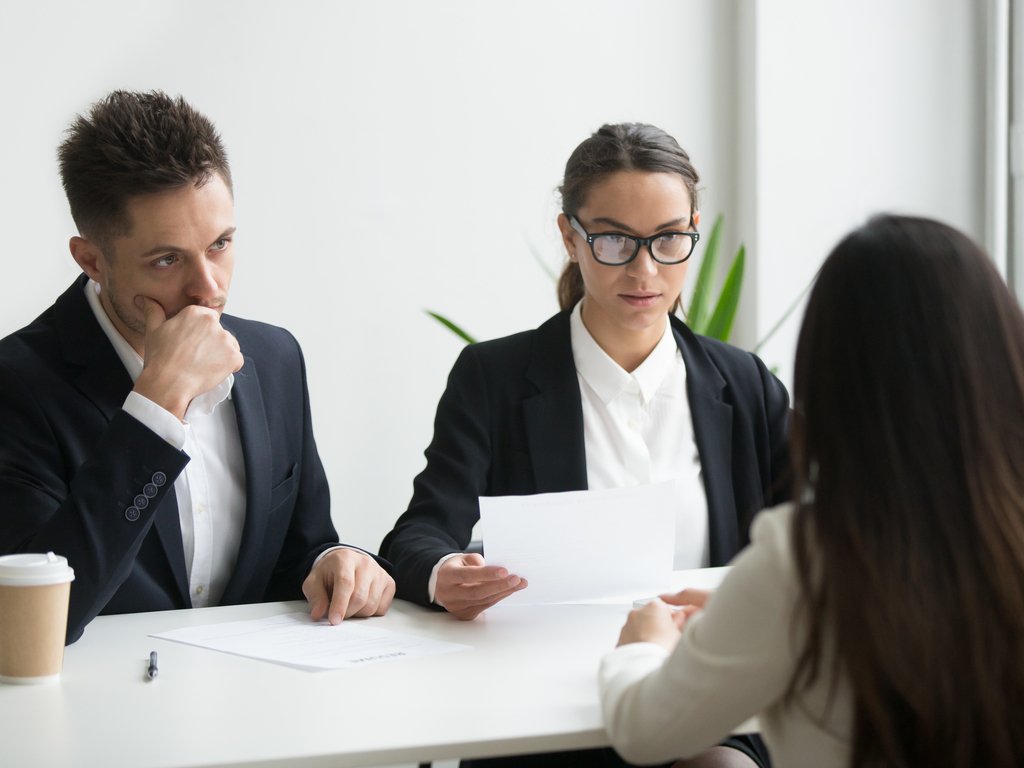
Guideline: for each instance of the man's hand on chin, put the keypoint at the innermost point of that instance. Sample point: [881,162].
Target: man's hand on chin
[345,583]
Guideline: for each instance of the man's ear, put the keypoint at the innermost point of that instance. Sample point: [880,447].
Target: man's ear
[696,219]
[89,257]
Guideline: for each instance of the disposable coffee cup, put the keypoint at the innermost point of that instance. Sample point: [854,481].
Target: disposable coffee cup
[34,592]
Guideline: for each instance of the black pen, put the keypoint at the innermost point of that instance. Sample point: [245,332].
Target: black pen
[151,670]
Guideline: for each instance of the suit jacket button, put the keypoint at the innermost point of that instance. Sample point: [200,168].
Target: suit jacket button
[150,490]
[140,501]
[131,514]
[159,478]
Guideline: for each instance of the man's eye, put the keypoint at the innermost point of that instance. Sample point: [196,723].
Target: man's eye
[220,245]
[165,261]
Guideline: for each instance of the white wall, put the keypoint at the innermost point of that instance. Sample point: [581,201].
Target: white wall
[393,156]
[1015,150]
[860,108]
[387,157]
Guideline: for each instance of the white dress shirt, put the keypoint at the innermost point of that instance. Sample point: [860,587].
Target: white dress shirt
[211,489]
[637,430]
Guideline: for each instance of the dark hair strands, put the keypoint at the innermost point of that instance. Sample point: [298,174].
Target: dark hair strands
[908,444]
[134,143]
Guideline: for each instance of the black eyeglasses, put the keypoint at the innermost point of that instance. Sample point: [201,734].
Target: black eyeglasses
[616,249]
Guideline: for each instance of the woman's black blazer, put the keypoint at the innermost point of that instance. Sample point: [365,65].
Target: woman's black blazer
[510,422]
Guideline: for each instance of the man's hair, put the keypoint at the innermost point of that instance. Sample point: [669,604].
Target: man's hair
[131,144]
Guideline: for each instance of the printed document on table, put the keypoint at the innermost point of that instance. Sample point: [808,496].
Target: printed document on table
[298,641]
[583,546]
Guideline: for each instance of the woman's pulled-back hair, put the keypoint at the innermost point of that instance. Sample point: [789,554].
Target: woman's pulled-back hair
[619,147]
[908,451]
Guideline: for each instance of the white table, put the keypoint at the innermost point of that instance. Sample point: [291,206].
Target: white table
[528,684]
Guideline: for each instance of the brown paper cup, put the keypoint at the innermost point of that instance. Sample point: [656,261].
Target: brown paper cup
[34,592]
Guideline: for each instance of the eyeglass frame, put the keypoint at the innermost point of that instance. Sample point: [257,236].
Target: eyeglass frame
[638,242]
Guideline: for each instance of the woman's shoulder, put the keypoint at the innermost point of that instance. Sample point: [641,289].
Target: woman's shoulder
[743,373]
[517,349]
[724,355]
[773,525]
[771,538]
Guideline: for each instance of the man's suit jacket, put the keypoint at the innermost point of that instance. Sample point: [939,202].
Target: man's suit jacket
[82,478]
[510,422]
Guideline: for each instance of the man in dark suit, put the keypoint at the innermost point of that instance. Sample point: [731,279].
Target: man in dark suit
[164,448]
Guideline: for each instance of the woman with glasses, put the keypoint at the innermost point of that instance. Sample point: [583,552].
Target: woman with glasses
[880,620]
[612,391]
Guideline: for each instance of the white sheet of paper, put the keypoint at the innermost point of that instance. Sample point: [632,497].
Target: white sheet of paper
[583,546]
[296,640]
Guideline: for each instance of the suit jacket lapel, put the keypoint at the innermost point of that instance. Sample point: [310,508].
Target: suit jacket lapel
[554,415]
[103,380]
[712,427]
[247,397]
[100,376]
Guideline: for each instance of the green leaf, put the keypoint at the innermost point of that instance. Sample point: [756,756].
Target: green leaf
[720,325]
[451,327]
[696,315]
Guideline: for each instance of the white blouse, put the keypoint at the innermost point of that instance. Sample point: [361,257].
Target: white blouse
[637,430]
[734,661]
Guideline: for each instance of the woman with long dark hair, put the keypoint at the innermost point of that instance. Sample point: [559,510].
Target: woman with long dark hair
[612,391]
[879,620]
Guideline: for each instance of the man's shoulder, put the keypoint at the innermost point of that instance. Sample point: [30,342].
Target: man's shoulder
[32,343]
[255,337]
[65,329]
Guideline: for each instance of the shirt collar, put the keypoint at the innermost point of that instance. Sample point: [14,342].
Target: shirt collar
[606,377]
[203,404]
[131,359]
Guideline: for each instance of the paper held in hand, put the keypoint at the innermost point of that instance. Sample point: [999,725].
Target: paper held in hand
[583,546]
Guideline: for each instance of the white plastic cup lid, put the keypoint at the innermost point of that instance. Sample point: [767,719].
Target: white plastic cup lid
[34,570]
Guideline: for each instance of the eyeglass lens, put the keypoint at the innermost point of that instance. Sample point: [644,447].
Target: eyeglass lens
[617,249]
